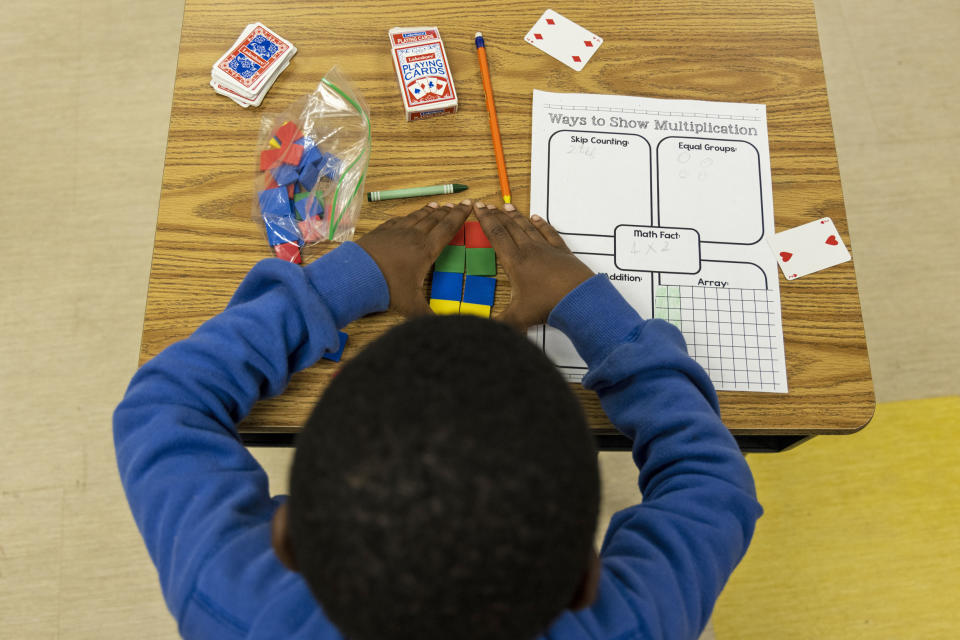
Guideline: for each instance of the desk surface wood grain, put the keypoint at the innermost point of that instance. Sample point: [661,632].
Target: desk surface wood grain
[725,50]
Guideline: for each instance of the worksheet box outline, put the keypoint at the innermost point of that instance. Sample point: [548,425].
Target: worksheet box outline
[699,252]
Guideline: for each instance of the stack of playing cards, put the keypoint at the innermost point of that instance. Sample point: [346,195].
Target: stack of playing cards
[248,69]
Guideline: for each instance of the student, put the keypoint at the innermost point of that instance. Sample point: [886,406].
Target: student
[446,485]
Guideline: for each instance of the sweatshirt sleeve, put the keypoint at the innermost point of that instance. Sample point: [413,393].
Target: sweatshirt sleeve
[666,560]
[192,486]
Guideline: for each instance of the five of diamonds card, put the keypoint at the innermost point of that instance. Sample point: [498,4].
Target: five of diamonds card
[563,39]
[248,69]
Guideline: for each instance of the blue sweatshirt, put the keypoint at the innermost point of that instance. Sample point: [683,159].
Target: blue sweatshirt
[202,503]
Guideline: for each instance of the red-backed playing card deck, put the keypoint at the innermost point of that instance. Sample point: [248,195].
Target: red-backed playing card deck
[250,66]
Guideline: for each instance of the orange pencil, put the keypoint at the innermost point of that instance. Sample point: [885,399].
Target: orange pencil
[492,111]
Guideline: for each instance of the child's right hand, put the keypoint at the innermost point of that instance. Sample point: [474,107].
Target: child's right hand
[542,270]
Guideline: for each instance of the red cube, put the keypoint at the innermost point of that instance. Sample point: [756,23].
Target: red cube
[288,251]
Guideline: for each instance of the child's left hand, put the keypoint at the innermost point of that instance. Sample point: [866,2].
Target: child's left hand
[405,249]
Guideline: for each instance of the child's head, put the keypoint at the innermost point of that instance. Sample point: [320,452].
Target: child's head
[446,486]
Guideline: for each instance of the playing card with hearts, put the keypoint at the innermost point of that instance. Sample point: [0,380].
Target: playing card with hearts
[563,39]
[809,248]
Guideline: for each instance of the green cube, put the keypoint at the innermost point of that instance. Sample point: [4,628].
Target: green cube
[481,262]
[451,259]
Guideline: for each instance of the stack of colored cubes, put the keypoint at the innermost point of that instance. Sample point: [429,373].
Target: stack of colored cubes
[291,202]
[464,276]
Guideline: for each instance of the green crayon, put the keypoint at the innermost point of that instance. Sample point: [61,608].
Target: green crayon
[415,192]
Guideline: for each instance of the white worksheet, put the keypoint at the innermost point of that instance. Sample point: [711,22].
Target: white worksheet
[671,200]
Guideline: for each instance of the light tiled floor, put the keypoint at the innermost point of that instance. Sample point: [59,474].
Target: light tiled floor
[84,130]
[894,83]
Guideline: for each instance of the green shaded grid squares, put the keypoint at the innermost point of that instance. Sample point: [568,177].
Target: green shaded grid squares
[660,312]
[451,260]
[673,291]
[481,262]
[674,315]
[673,303]
[661,291]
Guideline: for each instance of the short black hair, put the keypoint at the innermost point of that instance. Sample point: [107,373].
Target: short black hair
[445,486]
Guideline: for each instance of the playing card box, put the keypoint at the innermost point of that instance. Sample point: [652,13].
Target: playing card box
[423,72]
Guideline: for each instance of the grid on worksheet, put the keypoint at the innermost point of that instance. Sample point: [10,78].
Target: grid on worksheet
[732,333]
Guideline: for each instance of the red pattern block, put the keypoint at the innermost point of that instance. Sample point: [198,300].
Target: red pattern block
[292,153]
[288,251]
[270,183]
[287,133]
[474,236]
[270,158]
[458,238]
[310,229]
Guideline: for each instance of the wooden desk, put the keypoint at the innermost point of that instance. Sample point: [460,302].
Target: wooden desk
[726,50]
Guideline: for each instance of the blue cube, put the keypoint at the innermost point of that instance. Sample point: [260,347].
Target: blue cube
[479,290]
[285,174]
[308,207]
[308,176]
[446,286]
[336,355]
[281,229]
[275,202]
[330,168]
[311,155]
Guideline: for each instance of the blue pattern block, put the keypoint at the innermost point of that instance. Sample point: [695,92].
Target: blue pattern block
[331,167]
[335,356]
[281,229]
[446,286]
[308,207]
[479,290]
[311,156]
[308,176]
[263,47]
[285,174]
[244,66]
[275,202]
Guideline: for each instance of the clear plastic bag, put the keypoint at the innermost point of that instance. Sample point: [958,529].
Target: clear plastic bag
[312,161]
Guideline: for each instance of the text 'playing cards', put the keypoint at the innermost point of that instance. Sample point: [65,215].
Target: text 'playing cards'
[422,71]
[563,39]
[250,66]
[809,248]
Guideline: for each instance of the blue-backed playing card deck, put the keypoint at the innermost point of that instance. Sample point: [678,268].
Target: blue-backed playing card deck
[250,66]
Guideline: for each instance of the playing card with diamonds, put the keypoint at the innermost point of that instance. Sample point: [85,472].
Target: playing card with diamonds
[808,248]
[563,39]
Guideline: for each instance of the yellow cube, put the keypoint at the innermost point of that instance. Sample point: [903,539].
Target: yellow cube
[445,307]
[470,309]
